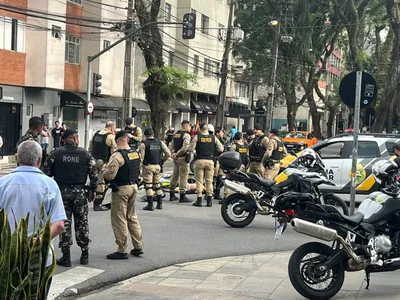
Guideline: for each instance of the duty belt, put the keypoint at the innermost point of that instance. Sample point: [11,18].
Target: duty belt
[275,161]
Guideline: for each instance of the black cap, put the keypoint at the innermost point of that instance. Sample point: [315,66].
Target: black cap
[238,135]
[397,146]
[250,131]
[274,131]
[68,132]
[258,126]
[128,121]
[185,122]
[120,134]
[148,132]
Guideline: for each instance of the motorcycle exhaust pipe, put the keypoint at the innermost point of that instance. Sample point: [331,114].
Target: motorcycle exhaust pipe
[323,233]
[237,187]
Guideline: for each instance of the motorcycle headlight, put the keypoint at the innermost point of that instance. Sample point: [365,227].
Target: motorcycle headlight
[301,143]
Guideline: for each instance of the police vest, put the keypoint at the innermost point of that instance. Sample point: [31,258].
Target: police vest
[134,144]
[129,173]
[243,149]
[205,147]
[100,150]
[153,152]
[257,151]
[278,152]
[71,165]
[178,140]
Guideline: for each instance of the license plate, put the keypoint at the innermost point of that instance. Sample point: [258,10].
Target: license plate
[279,231]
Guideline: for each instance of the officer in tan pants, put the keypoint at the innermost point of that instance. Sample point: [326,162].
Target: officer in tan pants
[152,151]
[205,145]
[275,152]
[122,172]
[179,147]
[258,151]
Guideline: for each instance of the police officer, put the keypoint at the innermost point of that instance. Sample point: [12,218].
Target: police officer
[275,152]
[204,144]
[35,128]
[122,172]
[218,173]
[152,152]
[257,151]
[135,134]
[250,136]
[243,149]
[179,147]
[70,165]
[102,146]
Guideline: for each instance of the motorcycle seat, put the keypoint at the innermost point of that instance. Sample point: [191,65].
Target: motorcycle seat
[265,182]
[356,218]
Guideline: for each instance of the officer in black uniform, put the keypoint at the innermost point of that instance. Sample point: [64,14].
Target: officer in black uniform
[71,165]
[257,151]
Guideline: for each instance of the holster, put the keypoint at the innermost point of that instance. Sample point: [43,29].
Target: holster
[114,187]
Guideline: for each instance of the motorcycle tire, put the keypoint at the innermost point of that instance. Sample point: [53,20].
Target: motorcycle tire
[233,200]
[337,202]
[297,272]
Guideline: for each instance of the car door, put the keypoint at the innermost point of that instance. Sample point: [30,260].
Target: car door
[333,156]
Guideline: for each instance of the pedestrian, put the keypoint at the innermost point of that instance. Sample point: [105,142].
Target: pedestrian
[56,134]
[45,134]
[204,144]
[257,151]
[25,190]
[135,134]
[63,128]
[152,151]
[275,152]
[122,171]
[179,148]
[169,135]
[250,136]
[70,166]
[101,147]
[218,173]
[233,132]
[35,128]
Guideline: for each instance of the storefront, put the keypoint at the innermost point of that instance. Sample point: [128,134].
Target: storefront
[237,115]
[179,111]
[142,118]
[202,109]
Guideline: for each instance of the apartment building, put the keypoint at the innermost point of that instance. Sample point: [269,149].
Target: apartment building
[43,50]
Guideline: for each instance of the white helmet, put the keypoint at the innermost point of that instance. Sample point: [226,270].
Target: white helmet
[211,128]
[384,170]
[308,158]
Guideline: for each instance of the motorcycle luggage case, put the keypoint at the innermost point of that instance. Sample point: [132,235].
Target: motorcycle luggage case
[230,160]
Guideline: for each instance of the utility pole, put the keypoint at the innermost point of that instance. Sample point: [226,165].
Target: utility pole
[128,68]
[271,85]
[251,100]
[224,69]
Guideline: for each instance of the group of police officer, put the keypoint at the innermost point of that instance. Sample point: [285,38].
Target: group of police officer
[115,161]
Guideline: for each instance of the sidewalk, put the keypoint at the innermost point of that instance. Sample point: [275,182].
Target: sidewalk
[262,276]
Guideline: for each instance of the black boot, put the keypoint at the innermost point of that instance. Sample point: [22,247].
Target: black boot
[209,201]
[172,196]
[217,194]
[198,202]
[149,205]
[159,202]
[65,259]
[184,199]
[97,205]
[85,257]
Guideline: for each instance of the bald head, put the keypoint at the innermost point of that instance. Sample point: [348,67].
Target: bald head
[29,153]
[110,125]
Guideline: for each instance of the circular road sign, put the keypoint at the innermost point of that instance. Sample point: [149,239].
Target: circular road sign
[90,107]
[347,89]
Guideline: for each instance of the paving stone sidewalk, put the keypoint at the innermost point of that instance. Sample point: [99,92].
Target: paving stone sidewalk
[261,276]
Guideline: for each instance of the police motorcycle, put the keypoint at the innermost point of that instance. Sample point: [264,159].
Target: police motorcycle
[369,240]
[255,195]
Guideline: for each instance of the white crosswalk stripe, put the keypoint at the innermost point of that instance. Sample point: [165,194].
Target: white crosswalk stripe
[70,278]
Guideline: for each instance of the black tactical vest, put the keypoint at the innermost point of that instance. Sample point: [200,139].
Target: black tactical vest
[178,140]
[129,173]
[71,165]
[134,144]
[153,152]
[243,149]
[277,153]
[205,147]
[256,151]
[100,150]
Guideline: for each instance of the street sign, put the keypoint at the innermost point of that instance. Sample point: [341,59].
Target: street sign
[90,107]
[347,89]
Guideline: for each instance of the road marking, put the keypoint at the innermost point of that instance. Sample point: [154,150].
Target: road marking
[70,278]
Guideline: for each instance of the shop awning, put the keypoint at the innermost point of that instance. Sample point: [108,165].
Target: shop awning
[196,106]
[78,100]
[140,105]
[181,105]
[208,106]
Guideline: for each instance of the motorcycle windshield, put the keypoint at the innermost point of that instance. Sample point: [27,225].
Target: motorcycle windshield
[373,204]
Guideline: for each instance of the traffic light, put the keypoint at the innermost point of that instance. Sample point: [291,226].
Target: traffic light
[96,84]
[189,26]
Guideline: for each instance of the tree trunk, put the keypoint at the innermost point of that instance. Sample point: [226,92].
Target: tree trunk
[292,106]
[158,110]
[315,116]
[331,119]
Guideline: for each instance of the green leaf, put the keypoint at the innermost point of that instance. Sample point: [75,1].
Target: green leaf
[5,259]
[16,295]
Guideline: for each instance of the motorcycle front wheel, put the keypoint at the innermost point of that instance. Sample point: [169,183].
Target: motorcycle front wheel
[306,277]
[338,203]
[232,213]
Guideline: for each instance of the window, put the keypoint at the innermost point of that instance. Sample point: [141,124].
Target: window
[221,33]
[170,59]
[56,32]
[72,49]
[196,64]
[390,148]
[167,12]
[14,34]
[217,70]
[56,112]
[106,44]
[29,110]
[243,90]
[207,67]
[76,1]
[205,24]
[368,150]
[334,150]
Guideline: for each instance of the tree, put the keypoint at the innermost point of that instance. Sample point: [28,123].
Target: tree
[163,83]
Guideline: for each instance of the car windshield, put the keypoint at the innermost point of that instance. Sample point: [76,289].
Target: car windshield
[297,135]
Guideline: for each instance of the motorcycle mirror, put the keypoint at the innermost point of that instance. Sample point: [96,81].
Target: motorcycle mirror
[293,153]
